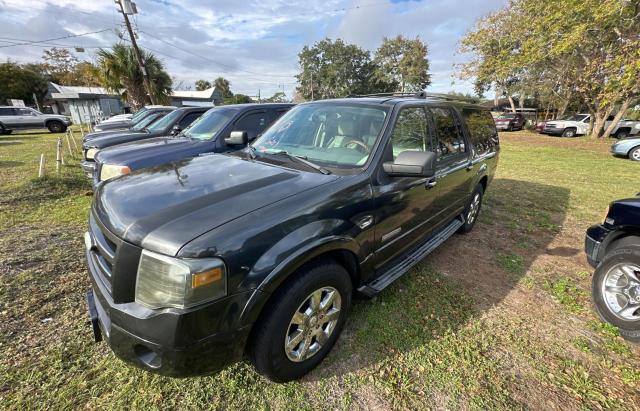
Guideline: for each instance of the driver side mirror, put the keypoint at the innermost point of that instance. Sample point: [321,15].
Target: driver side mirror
[237,138]
[175,129]
[412,164]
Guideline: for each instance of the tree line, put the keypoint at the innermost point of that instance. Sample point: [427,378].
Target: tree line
[570,54]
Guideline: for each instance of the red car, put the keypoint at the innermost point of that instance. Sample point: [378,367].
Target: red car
[510,121]
[539,128]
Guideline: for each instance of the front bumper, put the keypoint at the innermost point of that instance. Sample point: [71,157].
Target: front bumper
[595,236]
[503,126]
[171,342]
[553,131]
[88,167]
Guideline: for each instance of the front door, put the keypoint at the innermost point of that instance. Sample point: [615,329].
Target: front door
[404,205]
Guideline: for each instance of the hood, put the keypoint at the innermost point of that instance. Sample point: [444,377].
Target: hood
[119,117]
[162,208]
[113,125]
[164,149]
[116,137]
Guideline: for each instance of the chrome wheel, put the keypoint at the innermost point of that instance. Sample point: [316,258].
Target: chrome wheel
[474,208]
[621,291]
[312,324]
[635,155]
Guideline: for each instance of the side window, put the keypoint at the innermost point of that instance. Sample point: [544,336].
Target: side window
[253,124]
[450,140]
[25,112]
[6,111]
[410,132]
[188,119]
[482,129]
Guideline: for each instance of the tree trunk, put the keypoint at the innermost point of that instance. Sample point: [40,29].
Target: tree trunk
[521,99]
[513,105]
[600,118]
[563,108]
[623,110]
[496,100]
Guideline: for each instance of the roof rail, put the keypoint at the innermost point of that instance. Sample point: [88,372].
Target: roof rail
[419,94]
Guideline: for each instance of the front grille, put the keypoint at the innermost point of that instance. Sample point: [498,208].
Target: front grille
[113,262]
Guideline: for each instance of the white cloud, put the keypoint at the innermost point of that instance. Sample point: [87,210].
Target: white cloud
[252,43]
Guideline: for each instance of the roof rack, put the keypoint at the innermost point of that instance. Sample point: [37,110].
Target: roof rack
[419,94]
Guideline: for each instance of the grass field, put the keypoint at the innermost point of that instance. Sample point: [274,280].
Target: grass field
[498,318]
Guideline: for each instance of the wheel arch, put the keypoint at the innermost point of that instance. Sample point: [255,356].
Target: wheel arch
[631,149]
[342,250]
[614,238]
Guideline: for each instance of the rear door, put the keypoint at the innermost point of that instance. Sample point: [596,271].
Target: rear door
[453,175]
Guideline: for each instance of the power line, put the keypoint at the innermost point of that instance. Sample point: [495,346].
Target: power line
[30,42]
[211,60]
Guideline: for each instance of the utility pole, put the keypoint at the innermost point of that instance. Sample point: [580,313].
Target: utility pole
[312,86]
[145,76]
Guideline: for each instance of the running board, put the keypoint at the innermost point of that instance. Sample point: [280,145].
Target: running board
[411,259]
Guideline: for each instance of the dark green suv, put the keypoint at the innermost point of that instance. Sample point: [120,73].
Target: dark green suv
[257,253]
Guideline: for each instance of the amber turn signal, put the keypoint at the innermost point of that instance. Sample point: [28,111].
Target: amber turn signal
[206,277]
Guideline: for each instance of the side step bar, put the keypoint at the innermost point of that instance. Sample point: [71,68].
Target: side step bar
[412,258]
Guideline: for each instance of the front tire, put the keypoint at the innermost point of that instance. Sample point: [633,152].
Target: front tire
[569,132]
[616,288]
[622,134]
[304,322]
[634,154]
[472,210]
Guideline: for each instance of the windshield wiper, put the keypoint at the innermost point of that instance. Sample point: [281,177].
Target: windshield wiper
[303,160]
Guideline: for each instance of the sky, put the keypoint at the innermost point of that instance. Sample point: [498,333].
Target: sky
[254,44]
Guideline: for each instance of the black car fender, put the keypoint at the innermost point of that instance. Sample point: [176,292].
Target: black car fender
[288,266]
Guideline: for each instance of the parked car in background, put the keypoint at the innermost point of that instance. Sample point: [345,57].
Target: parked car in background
[624,128]
[578,125]
[539,127]
[572,126]
[195,263]
[510,121]
[627,147]
[25,118]
[219,129]
[137,117]
[613,249]
[165,125]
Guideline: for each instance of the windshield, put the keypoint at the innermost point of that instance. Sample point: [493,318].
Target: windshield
[147,120]
[576,117]
[506,116]
[334,135]
[211,122]
[165,121]
[139,114]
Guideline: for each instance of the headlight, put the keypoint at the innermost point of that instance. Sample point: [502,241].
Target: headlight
[108,171]
[173,282]
[91,153]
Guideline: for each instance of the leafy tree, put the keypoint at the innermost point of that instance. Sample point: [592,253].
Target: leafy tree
[332,69]
[59,64]
[238,99]
[21,82]
[202,85]
[278,97]
[119,72]
[402,63]
[224,86]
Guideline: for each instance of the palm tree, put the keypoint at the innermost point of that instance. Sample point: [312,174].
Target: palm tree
[119,72]
[224,86]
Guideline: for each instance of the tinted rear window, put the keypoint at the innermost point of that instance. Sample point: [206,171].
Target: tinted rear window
[482,129]
[6,111]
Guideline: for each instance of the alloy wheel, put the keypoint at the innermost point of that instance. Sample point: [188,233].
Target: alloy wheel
[621,291]
[635,155]
[312,324]
[474,208]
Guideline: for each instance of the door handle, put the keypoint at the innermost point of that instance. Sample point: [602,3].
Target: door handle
[430,184]
[470,166]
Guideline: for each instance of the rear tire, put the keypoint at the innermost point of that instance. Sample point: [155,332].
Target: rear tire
[616,295]
[56,127]
[634,154]
[622,134]
[472,210]
[569,132]
[291,323]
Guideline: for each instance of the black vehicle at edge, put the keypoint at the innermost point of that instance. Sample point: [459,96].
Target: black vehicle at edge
[166,124]
[257,252]
[613,249]
[210,133]
[107,125]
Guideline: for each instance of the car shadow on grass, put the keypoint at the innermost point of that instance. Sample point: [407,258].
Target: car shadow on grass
[453,286]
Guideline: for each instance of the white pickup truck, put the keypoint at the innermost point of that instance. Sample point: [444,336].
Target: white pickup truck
[578,124]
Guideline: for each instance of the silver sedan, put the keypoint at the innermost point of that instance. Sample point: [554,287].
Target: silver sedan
[628,147]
